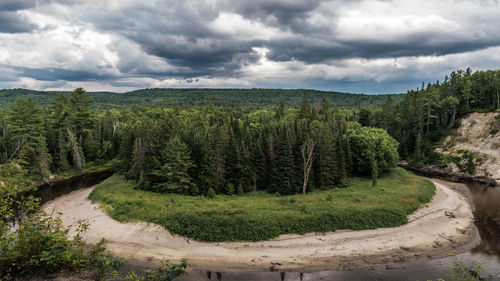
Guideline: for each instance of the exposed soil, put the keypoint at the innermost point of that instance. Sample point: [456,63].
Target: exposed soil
[444,225]
[475,135]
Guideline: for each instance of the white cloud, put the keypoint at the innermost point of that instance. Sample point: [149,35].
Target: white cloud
[188,42]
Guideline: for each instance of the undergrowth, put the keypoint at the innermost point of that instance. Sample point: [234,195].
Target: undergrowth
[261,216]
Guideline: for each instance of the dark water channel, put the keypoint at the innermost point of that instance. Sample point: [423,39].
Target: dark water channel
[50,191]
[486,201]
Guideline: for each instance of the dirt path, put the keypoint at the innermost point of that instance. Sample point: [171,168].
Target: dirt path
[445,225]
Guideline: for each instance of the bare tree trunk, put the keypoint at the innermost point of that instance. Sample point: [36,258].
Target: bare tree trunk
[138,157]
[19,144]
[307,150]
[452,121]
[78,158]
[115,127]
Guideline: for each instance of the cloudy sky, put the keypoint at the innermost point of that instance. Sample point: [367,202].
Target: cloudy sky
[353,46]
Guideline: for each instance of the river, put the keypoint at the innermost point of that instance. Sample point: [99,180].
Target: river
[485,200]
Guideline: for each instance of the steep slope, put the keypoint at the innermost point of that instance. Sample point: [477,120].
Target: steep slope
[475,148]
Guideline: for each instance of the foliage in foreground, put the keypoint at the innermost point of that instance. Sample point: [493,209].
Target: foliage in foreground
[33,243]
[261,216]
[464,271]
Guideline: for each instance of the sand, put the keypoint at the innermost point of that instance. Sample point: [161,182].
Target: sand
[474,135]
[443,226]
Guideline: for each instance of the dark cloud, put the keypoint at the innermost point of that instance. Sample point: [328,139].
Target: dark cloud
[56,74]
[284,14]
[312,50]
[15,5]
[11,22]
[177,39]
[179,33]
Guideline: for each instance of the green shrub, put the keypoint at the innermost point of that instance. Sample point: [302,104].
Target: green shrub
[211,193]
[261,216]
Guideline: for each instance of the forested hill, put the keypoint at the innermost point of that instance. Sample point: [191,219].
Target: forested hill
[228,97]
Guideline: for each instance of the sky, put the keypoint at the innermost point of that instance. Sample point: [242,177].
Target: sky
[349,46]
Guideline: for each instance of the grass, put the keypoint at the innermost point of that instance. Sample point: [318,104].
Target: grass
[261,216]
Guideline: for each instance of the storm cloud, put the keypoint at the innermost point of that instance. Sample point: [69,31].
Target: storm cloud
[357,46]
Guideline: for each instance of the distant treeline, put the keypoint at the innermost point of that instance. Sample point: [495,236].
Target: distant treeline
[248,98]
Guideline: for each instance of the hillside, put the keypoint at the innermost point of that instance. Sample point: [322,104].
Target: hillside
[204,96]
[475,147]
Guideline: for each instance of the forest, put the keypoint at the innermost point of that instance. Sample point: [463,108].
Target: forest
[228,144]
[429,113]
[234,149]
[183,97]
[198,150]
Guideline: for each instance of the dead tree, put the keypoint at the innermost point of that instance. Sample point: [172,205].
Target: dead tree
[308,155]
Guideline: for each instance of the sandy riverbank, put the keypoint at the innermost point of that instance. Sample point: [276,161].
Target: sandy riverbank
[444,225]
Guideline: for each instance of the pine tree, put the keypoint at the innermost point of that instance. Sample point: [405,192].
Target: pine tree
[347,156]
[258,162]
[29,146]
[280,111]
[284,178]
[305,109]
[58,120]
[328,156]
[343,161]
[173,172]
[324,109]
[79,103]
[233,159]
[202,153]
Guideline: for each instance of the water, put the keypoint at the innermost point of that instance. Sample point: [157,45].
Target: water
[486,201]
[50,191]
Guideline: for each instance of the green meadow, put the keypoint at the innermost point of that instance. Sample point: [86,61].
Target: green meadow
[262,216]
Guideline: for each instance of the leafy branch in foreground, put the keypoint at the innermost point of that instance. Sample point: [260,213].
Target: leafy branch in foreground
[466,271]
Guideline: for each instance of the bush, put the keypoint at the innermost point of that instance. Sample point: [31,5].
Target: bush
[211,193]
[370,145]
[261,216]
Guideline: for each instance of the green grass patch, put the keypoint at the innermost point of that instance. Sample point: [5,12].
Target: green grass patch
[261,216]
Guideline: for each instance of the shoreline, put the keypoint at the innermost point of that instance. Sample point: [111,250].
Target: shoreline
[442,226]
[435,172]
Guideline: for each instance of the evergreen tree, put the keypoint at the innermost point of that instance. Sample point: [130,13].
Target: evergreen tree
[328,159]
[29,146]
[202,153]
[79,103]
[284,178]
[173,170]
[233,159]
[258,163]
[280,111]
[305,109]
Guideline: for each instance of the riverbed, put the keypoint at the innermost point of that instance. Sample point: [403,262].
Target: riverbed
[486,203]
[392,270]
